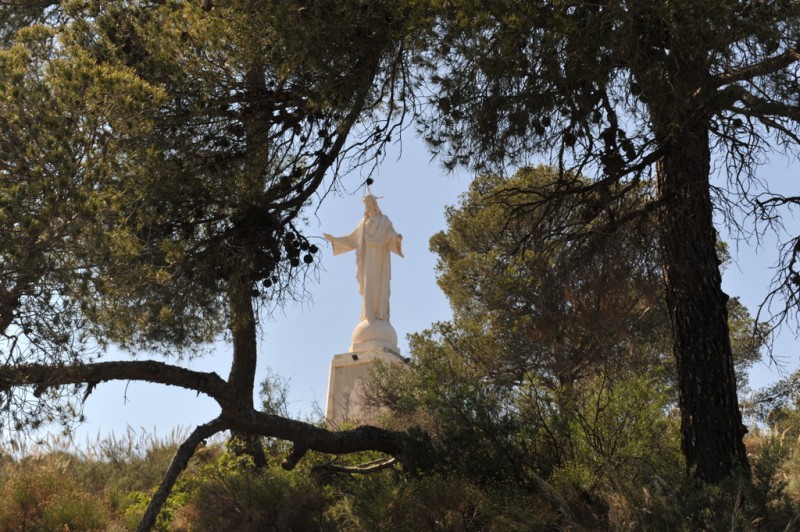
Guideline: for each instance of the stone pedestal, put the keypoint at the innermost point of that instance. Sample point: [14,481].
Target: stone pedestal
[349,378]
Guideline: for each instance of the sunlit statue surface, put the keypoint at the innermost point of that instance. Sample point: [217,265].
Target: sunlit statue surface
[373,240]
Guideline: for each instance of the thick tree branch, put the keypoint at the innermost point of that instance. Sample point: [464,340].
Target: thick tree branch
[762,68]
[237,417]
[307,437]
[43,376]
[756,106]
[176,467]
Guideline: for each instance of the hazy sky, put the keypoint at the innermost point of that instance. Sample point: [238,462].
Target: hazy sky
[299,342]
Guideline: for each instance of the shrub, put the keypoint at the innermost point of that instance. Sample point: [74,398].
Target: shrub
[41,494]
[436,502]
[229,494]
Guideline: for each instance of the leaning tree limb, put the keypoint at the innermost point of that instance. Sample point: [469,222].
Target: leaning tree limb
[307,437]
[42,376]
[176,467]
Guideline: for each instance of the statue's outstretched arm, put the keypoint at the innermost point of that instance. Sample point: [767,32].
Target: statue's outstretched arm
[342,244]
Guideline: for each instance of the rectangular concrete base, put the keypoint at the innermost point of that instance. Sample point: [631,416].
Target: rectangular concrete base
[349,377]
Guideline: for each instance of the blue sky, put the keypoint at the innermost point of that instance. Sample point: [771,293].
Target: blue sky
[299,341]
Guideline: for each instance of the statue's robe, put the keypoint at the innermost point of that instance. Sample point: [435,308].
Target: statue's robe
[373,240]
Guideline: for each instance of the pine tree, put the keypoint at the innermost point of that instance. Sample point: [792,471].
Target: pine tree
[624,91]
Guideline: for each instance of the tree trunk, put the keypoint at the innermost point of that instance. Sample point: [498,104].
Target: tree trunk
[245,357]
[711,423]
[240,281]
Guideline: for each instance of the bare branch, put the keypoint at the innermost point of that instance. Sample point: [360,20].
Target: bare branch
[361,469]
[780,127]
[727,97]
[768,66]
[176,467]
[774,200]
[327,159]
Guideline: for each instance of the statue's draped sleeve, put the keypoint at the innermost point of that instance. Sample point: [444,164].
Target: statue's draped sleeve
[395,242]
[343,244]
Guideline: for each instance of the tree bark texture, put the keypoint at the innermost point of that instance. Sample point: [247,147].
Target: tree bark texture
[42,376]
[711,422]
[245,358]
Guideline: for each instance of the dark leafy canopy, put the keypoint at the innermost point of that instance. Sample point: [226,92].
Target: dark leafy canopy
[609,86]
[620,89]
[525,76]
[17,14]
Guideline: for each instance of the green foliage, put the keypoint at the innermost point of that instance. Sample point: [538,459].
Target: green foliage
[229,495]
[554,376]
[528,297]
[551,289]
[58,106]
[640,487]
[39,495]
[274,394]
[133,505]
[748,340]
[583,435]
[182,143]
[778,404]
[613,430]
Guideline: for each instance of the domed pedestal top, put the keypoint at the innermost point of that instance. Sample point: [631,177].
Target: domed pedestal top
[370,335]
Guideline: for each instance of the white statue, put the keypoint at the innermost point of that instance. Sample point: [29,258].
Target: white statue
[373,240]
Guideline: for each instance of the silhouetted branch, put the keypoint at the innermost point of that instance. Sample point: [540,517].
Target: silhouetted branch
[762,68]
[176,467]
[43,376]
[308,437]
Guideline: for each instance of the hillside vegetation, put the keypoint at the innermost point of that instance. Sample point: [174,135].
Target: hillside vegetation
[107,487]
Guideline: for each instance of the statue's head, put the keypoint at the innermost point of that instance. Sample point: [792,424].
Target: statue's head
[371,205]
